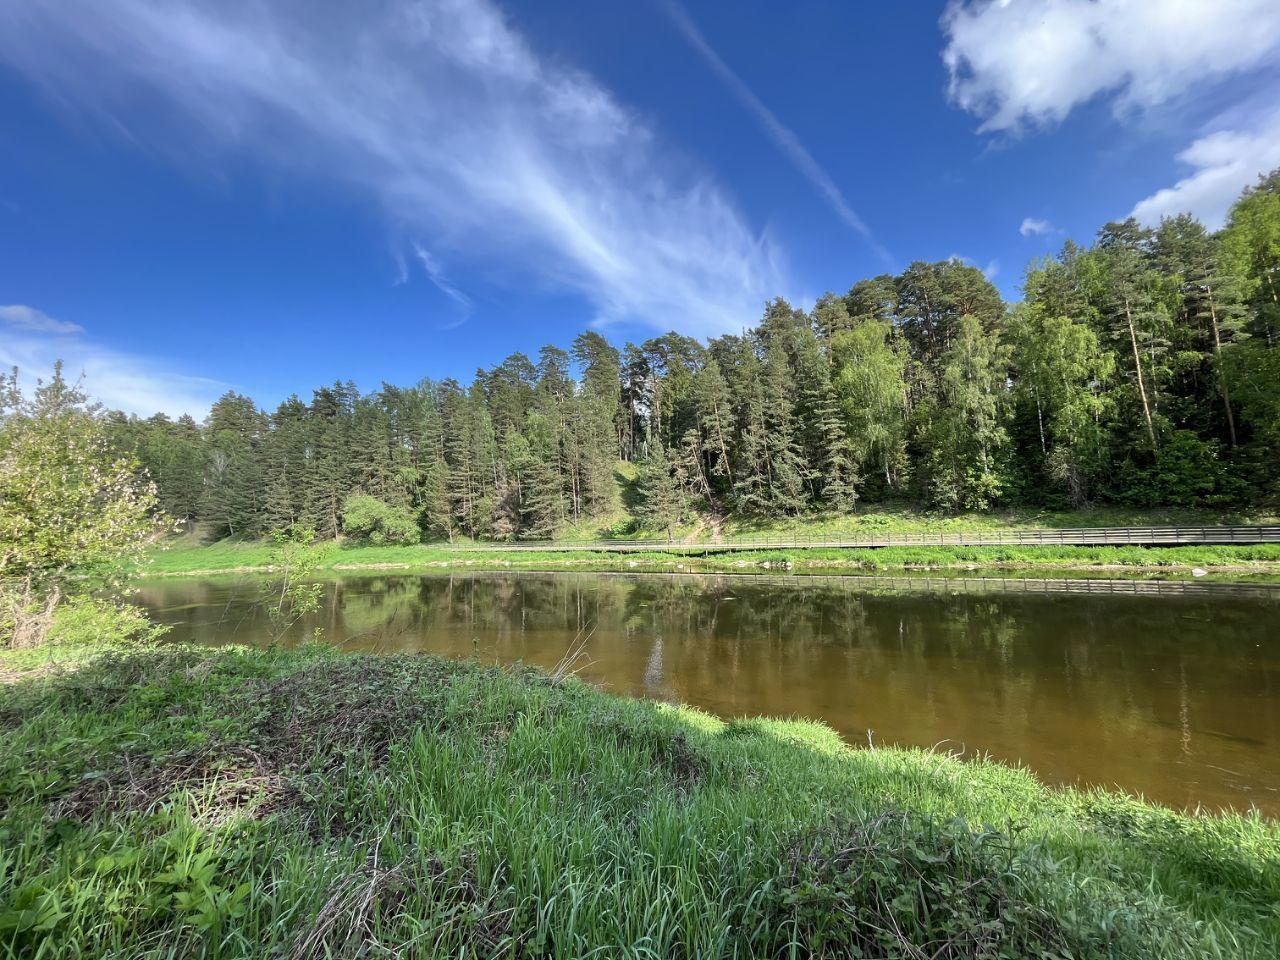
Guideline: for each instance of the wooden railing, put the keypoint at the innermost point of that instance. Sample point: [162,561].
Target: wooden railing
[1065,537]
[976,585]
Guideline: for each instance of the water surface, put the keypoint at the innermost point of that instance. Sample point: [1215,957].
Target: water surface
[1176,697]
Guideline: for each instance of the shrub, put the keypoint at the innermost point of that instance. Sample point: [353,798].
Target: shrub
[369,519]
[84,621]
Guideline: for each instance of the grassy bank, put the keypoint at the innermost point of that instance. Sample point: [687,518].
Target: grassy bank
[1222,561]
[243,804]
[888,518]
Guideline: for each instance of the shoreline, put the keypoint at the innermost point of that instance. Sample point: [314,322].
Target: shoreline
[1249,564]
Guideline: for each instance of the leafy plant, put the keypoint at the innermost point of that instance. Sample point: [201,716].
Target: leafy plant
[294,559]
[375,522]
[84,621]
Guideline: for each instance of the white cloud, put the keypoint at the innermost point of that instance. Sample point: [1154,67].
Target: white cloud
[435,273]
[119,380]
[21,317]
[782,135]
[1031,62]
[989,271]
[1224,162]
[441,111]
[1035,227]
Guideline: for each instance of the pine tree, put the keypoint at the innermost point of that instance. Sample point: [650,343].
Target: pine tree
[714,411]
[284,466]
[787,470]
[660,501]
[233,480]
[1133,314]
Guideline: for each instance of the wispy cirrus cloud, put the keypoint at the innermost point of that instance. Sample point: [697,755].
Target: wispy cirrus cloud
[33,341]
[18,316]
[441,112]
[435,273]
[783,136]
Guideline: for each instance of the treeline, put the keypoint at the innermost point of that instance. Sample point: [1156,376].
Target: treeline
[1143,370]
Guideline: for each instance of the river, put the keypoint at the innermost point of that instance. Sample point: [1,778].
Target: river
[1174,697]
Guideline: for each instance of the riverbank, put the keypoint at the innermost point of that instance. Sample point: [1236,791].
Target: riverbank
[1219,562]
[903,518]
[306,804]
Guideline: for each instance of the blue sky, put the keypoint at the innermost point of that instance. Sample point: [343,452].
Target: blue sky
[266,195]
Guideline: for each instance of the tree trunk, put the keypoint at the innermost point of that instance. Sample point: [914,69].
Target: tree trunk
[1040,419]
[1222,372]
[724,450]
[1137,362]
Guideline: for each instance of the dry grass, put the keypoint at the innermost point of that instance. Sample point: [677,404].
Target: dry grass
[224,781]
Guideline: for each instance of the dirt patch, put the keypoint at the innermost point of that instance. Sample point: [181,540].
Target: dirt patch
[225,782]
[322,714]
[10,675]
[212,571]
[294,730]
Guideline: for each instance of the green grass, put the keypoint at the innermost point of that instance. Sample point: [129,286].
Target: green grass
[899,518]
[236,803]
[895,517]
[1224,561]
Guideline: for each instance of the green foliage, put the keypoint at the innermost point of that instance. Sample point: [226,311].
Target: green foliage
[660,503]
[69,507]
[88,621]
[962,432]
[370,520]
[869,377]
[291,594]
[75,515]
[233,803]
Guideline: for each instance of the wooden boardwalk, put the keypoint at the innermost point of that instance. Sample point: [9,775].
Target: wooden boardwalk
[1065,537]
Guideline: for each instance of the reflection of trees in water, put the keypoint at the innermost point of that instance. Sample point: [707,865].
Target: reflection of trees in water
[1099,686]
[1114,659]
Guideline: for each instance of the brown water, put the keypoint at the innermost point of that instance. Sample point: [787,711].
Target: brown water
[1174,697]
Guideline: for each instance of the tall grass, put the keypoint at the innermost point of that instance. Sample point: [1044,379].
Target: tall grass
[235,803]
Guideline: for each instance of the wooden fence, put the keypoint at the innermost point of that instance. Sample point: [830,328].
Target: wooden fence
[899,584]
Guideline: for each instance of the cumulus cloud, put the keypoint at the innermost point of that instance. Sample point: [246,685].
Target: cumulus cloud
[34,341]
[1035,227]
[442,112]
[783,136]
[1223,162]
[1017,63]
[20,317]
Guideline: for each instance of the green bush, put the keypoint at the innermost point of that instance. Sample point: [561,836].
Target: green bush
[368,519]
[84,621]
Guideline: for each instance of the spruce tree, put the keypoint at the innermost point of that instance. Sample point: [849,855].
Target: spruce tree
[660,500]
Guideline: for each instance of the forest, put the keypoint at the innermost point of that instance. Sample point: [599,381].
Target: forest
[1143,370]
